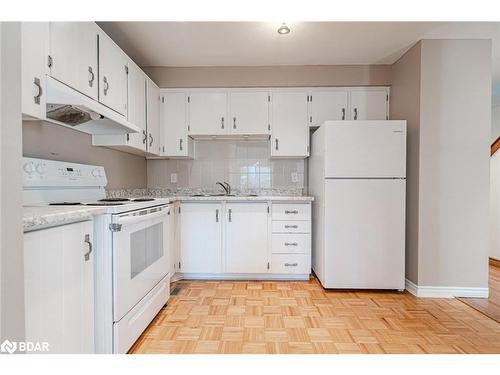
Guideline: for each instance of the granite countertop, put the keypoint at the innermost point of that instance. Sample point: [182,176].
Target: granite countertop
[39,217]
[242,198]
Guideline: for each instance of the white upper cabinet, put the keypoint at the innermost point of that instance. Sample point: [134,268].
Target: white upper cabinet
[136,113]
[175,140]
[327,105]
[369,104]
[249,112]
[113,65]
[153,117]
[289,124]
[73,55]
[201,237]
[246,238]
[34,51]
[208,113]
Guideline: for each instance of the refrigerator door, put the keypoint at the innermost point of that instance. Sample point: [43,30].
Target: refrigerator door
[364,234]
[365,149]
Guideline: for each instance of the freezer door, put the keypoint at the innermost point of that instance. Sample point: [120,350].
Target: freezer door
[365,149]
[364,243]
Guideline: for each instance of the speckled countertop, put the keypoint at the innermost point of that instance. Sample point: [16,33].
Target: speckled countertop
[39,217]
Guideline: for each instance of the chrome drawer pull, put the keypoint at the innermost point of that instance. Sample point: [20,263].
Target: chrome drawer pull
[291,212]
[291,244]
[87,241]
[291,226]
[291,264]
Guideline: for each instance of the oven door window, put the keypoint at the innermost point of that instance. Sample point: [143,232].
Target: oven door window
[146,247]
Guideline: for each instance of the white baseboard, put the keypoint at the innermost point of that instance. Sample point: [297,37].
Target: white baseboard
[444,291]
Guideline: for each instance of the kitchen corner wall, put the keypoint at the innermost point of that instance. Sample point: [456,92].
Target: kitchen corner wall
[55,142]
[246,165]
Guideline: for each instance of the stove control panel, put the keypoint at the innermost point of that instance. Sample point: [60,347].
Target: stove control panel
[46,173]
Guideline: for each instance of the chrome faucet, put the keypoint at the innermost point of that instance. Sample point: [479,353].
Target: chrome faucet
[225,186]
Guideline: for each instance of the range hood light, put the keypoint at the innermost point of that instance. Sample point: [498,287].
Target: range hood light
[283,29]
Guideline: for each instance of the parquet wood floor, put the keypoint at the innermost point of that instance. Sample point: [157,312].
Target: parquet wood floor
[301,317]
[491,305]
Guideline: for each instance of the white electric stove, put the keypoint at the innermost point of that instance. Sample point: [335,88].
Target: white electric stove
[131,247]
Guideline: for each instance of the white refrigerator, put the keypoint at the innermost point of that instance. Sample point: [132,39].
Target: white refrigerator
[357,175]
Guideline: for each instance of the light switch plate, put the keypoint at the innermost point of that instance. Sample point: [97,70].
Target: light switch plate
[173,178]
[295,177]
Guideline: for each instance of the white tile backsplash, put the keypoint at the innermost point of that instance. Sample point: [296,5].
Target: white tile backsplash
[246,165]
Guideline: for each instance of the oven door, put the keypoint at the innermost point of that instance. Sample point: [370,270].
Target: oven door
[140,255]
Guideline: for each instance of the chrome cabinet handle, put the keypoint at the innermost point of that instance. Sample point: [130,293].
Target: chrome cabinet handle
[291,226]
[276,142]
[38,90]
[180,144]
[343,113]
[355,113]
[150,140]
[310,119]
[87,241]
[91,77]
[291,244]
[144,137]
[291,212]
[234,122]
[229,212]
[291,264]
[106,85]
[217,215]
[222,122]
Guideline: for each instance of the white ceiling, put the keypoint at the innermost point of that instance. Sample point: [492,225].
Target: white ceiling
[309,43]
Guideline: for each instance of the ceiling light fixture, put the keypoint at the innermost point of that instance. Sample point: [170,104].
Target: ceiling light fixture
[283,29]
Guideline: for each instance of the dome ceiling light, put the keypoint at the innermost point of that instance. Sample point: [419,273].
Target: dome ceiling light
[283,29]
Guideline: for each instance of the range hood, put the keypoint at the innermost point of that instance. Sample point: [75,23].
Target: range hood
[70,108]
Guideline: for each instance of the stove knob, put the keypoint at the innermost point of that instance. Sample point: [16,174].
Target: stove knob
[29,167]
[101,174]
[41,169]
[95,173]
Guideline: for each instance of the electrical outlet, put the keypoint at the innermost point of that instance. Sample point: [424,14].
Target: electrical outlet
[173,178]
[295,177]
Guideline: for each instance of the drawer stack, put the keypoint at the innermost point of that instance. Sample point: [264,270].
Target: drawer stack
[291,238]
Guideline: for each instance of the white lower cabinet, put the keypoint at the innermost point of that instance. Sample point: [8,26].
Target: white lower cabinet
[201,238]
[250,239]
[246,238]
[59,287]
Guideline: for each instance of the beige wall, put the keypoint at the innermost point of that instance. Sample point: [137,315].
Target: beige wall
[405,105]
[48,141]
[443,89]
[11,233]
[455,130]
[262,76]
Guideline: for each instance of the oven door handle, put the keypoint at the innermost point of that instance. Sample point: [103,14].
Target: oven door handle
[131,219]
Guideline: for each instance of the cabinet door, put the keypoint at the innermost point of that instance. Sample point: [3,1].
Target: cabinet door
[249,112]
[34,52]
[59,288]
[153,117]
[73,51]
[246,238]
[175,238]
[369,104]
[208,113]
[137,104]
[112,75]
[289,125]
[327,105]
[201,234]
[174,123]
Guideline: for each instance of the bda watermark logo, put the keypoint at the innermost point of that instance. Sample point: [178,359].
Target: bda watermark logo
[8,347]
[23,346]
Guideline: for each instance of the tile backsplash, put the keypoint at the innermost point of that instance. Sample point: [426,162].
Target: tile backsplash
[246,165]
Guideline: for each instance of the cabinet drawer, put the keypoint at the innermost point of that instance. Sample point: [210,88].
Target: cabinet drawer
[291,211]
[291,263]
[291,244]
[295,226]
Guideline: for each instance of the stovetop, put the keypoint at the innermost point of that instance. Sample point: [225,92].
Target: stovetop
[104,202]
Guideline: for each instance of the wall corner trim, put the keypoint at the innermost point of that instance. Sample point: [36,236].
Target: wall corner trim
[444,291]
